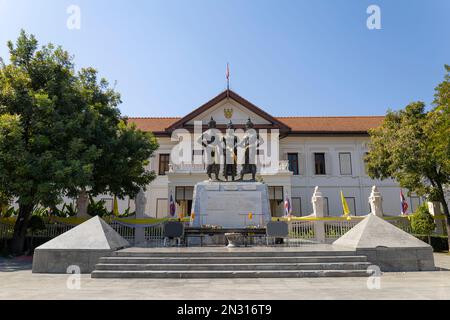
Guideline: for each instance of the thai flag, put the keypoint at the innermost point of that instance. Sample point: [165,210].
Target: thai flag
[172,207]
[287,207]
[404,203]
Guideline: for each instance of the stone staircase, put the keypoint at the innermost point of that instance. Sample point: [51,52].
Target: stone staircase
[251,264]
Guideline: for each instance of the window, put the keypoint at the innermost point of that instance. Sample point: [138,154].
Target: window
[163,163]
[293,163]
[351,205]
[184,193]
[345,163]
[297,207]
[276,193]
[319,163]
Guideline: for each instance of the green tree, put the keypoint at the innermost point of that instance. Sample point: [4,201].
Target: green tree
[116,152]
[412,147]
[422,222]
[59,131]
[5,200]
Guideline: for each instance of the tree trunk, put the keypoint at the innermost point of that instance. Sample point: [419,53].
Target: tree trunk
[20,229]
[447,217]
[442,200]
[82,204]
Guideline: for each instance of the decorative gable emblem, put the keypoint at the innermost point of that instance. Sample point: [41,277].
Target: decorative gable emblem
[228,113]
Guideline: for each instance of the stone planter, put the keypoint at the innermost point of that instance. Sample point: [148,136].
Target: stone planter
[234,239]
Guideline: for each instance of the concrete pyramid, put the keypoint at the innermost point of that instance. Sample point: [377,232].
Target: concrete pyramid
[80,247]
[375,232]
[94,234]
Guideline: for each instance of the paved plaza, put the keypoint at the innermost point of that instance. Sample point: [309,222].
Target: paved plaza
[17,282]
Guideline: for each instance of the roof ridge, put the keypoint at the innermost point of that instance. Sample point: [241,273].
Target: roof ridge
[324,117]
[279,117]
[154,117]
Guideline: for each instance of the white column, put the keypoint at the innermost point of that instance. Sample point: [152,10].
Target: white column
[319,212]
[82,204]
[436,212]
[376,202]
[140,203]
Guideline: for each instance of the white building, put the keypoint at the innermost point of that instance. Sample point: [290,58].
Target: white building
[314,151]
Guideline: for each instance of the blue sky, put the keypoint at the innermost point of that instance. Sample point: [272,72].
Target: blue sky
[305,58]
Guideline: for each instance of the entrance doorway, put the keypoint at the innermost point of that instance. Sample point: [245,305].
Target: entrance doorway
[183,198]
[276,198]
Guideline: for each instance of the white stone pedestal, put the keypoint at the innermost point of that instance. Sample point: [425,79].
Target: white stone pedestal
[319,212]
[228,204]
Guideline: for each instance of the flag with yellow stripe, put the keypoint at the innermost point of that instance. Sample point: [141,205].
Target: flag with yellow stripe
[115,207]
[345,208]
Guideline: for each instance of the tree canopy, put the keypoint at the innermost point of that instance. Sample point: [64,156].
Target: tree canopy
[412,146]
[61,132]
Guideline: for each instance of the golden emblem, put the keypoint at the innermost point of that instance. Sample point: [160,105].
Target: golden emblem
[228,113]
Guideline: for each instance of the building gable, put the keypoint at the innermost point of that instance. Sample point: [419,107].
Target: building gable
[229,106]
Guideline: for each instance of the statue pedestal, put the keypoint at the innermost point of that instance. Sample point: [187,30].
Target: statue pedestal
[228,204]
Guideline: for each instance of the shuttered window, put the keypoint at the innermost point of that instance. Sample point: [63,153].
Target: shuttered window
[345,163]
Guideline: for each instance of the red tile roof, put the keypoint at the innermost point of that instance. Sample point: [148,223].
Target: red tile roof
[332,124]
[153,124]
[300,125]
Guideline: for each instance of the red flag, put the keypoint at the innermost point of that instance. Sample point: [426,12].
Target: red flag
[287,207]
[404,203]
[172,207]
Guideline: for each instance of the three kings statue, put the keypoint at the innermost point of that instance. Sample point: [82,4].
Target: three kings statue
[229,151]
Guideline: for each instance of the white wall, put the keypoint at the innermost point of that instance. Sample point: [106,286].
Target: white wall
[357,185]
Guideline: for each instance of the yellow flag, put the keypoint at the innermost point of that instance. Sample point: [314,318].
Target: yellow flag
[116,207]
[345,205]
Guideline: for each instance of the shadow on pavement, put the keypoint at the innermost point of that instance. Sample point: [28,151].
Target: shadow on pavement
[16,264]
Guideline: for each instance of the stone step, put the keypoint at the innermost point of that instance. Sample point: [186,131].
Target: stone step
[145,254]
[229,260]
[236,267]
[229,274]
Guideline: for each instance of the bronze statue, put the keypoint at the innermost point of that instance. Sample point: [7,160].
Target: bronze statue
[230,143]
[250,143]
[210,142]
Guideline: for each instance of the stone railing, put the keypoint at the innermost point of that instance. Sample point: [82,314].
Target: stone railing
[304,229]
[187,168]
[283,167]
[153,235]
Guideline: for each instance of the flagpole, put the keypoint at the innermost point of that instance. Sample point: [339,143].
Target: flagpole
[228,80]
